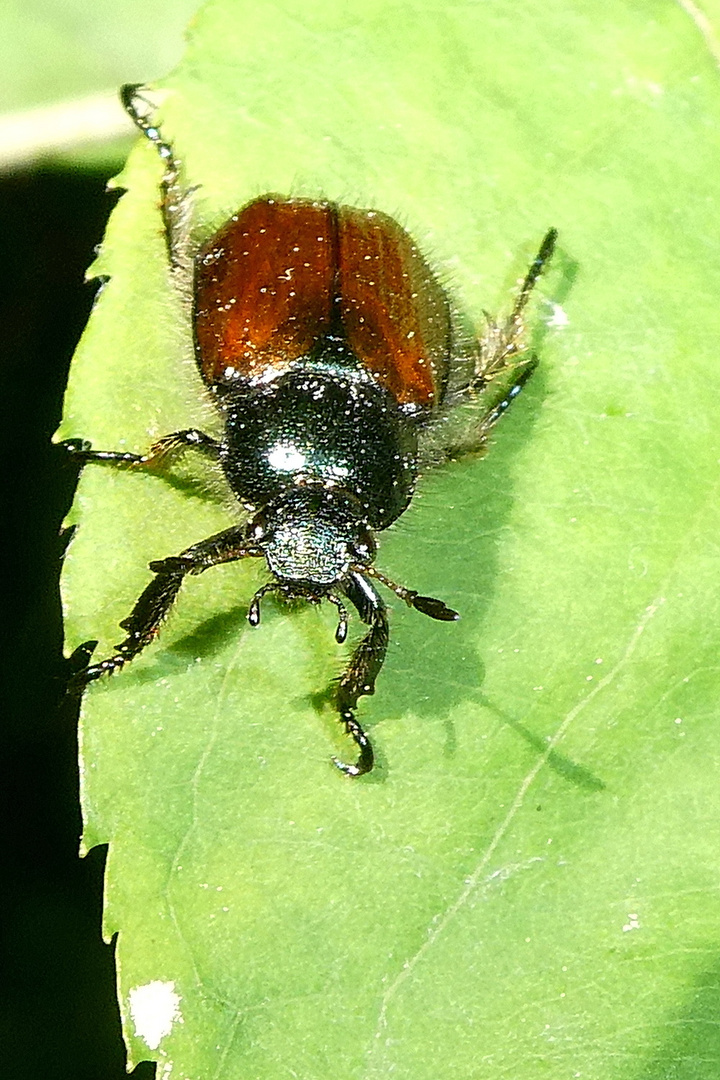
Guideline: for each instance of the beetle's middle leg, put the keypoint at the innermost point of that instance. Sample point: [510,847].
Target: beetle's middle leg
[176,441]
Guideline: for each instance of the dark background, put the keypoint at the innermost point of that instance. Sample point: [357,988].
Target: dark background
[58,1012]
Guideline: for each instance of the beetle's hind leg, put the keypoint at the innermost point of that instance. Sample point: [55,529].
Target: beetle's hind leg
[365,664]
[501,367]
[502,345]
[176,199]
[503,348]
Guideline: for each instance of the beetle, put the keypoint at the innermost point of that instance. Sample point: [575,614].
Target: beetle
[330,349]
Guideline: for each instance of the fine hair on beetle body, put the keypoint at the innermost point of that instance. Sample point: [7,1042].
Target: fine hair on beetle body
[326,344]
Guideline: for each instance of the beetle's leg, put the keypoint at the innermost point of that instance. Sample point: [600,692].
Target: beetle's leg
[502,342]
[436,609]
[342,626]
[253,615]
[364,667]
[177,441]
[154,603]
[502,354]
[521,375]
[176,201]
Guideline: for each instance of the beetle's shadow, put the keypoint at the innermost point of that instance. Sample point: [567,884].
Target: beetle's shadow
[208,488]
[561,764]
[436,666]
[686,1040]
[202,480]
[211,636]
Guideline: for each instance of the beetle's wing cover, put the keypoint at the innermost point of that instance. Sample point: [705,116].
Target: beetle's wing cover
[394,311]
[264,286]
[267,282]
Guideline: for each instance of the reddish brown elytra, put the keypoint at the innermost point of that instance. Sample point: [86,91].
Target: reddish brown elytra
[320,269]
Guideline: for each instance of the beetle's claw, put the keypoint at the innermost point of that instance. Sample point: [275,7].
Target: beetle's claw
[366,760]
[78,663]
[351,770]
[75,448]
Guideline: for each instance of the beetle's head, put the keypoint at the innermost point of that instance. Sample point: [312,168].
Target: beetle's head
[311,536]
[318,545]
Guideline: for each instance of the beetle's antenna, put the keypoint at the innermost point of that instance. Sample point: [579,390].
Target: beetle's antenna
[343,617]
[436,609]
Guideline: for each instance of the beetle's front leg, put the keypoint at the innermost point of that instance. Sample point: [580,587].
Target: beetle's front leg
[155,602]
[363,669]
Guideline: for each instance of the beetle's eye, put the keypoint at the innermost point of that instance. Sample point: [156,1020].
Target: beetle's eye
[364,547]
[257,530]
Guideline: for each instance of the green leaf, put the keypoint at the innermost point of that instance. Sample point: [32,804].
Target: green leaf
[56,49]
[527,884]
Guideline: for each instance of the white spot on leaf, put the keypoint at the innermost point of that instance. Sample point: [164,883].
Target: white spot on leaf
[154,1009]
[558,317]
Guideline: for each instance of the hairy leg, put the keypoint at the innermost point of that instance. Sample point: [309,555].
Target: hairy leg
[502,367]
[365,664]
[154,603]
[176,203]
[503,342]
[175,442]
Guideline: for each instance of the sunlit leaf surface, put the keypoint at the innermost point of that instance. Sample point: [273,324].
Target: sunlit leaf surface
[527,886]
